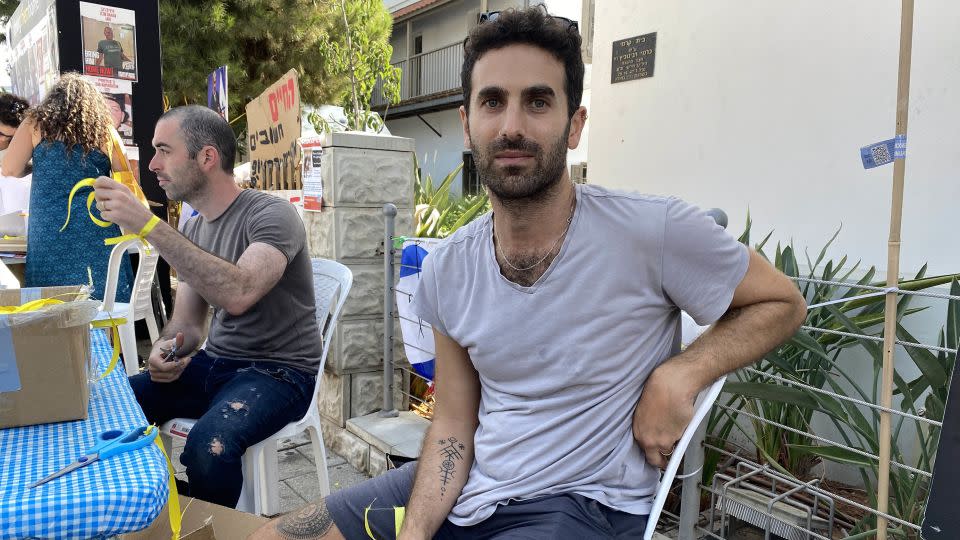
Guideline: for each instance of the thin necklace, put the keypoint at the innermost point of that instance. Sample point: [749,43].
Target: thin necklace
[496,243]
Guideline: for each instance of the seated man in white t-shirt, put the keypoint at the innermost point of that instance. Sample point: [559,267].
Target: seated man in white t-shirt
[560,383]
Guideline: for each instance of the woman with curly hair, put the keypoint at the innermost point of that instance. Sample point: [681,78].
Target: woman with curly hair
[68,136]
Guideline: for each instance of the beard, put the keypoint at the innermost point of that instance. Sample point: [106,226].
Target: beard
[509,183]
[185,183]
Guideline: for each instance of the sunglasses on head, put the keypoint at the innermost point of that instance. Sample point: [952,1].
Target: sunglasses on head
[491,16]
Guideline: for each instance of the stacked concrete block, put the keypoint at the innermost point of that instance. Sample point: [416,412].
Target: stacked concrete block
[360,173]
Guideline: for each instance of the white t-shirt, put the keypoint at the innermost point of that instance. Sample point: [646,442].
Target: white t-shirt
[562,362]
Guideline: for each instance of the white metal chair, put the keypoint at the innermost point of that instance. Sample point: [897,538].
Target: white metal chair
[140,305]
[260,493]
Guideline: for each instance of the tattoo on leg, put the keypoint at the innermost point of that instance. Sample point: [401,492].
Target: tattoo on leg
[450,449]
[311,521]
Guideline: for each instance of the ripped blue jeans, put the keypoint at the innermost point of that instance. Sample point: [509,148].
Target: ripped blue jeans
[238,403]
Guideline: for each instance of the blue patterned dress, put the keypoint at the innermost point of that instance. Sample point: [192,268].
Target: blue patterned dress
[62,258]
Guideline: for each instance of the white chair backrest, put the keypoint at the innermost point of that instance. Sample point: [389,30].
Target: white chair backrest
[702,407]
[142,281]
[331,286]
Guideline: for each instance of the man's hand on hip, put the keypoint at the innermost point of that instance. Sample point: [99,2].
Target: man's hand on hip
[663,412]
[117,204]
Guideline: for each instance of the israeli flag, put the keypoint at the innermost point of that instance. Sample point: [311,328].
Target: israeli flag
[417,334]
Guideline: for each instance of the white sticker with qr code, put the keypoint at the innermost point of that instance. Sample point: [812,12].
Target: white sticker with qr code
[881,153]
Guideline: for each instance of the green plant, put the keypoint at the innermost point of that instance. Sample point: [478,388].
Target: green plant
[363,58]
[259,40]
[436,213]
[813,359]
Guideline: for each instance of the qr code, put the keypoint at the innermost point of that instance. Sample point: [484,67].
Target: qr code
[880,154]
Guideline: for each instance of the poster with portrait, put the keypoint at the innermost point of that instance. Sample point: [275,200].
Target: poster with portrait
[119,97]
[109,41]
[217,92]
[32,38]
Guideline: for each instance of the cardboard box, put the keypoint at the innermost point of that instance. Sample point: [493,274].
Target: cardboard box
[44,357]
[201,521]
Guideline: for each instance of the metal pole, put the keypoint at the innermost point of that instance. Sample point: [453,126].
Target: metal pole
[690,496]
[893,268]
[389,215]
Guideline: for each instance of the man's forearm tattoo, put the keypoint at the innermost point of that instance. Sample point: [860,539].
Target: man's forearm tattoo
[311,521]
[450,451]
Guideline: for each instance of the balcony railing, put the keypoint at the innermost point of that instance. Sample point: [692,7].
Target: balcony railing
[426,74]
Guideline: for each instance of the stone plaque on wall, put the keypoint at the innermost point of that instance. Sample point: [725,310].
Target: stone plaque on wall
[633,58]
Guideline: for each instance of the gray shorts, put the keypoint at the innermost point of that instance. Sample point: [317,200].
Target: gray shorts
[567,516]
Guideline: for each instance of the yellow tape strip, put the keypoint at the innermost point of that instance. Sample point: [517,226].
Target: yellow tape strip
[115,324]
[91,198]
[141,235]
[30,306]
[399,512]
[173,502]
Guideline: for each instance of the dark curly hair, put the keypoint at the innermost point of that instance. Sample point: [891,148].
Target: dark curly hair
[12,109]
[531,26]
[74,113]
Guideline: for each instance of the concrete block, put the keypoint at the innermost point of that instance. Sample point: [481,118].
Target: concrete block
[378,463]
[334,398]
[357,345]
[353,449]
[366,392]
[366,296]
[367,177]
[356,139]
[345,233]
[400,435]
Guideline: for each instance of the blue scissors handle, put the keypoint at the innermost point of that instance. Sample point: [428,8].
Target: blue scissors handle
[115,442]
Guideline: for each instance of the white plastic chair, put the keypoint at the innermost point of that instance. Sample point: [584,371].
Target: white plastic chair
[701,409]
[260,493]
[140,305]
[690,331]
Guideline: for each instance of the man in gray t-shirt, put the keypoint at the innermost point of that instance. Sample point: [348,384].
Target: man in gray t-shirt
[244,255]
[560,387]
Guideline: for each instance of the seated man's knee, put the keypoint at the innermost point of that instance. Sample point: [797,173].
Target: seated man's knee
[205,452]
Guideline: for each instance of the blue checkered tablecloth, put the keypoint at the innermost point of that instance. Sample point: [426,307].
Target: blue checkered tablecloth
[122,494]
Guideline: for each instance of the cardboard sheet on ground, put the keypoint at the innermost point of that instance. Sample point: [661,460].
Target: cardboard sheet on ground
[201,521]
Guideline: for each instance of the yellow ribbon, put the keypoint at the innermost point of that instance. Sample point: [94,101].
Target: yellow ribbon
[30,306]
[115,324]
[399,512]
[91,198]
[173,502]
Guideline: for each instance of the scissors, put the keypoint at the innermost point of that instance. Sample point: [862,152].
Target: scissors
[170,355]
[111,443]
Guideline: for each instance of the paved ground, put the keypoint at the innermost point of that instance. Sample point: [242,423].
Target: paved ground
[298,474]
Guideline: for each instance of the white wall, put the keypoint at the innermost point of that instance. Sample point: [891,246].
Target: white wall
[766,104]
[437,155]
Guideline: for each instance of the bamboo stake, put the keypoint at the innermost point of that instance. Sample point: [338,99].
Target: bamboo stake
[893,267]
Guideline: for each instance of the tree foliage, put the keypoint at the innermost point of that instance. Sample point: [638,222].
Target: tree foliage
[361,56]
[259,41]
